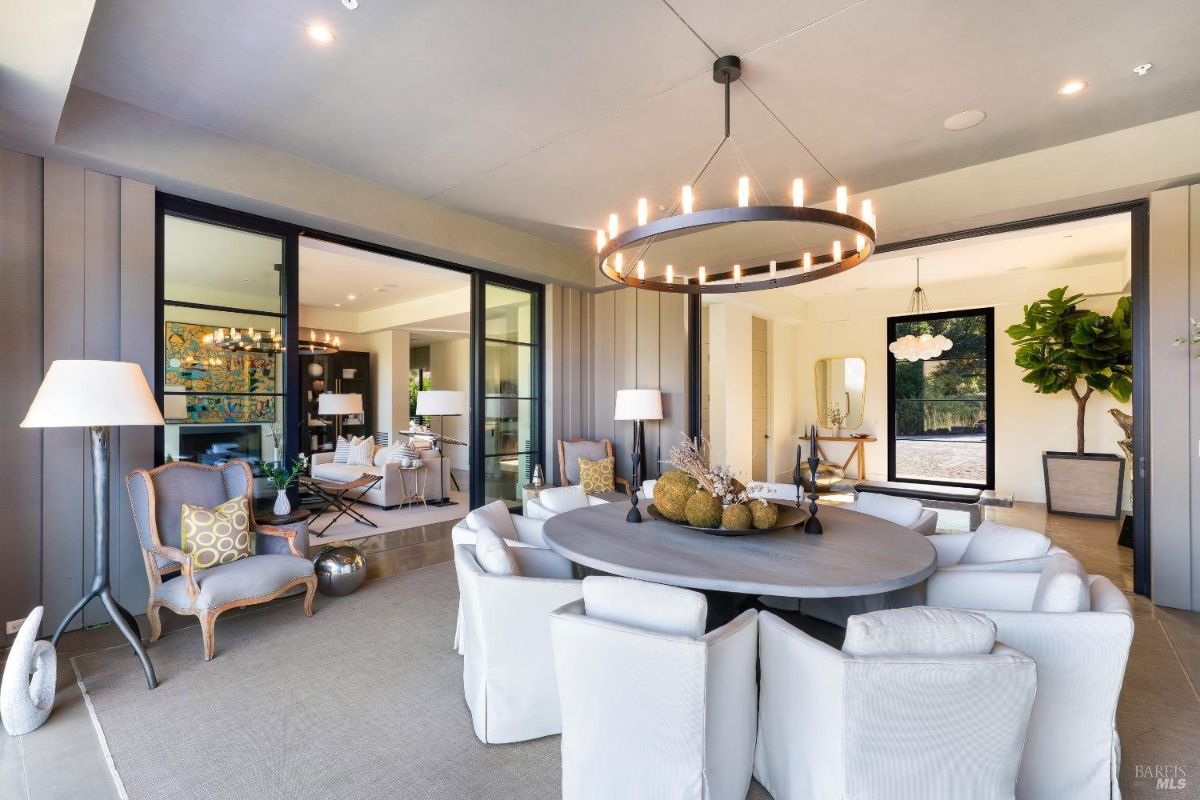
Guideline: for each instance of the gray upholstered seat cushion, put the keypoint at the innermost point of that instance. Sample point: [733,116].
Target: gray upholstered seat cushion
[573,451]
[247,579]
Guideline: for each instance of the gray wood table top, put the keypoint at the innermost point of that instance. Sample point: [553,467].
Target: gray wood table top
[857,555]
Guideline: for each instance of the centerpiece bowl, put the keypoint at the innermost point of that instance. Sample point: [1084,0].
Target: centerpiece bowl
[789,517]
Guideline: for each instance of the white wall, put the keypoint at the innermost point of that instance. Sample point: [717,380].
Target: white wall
[1026,423]
[450,369]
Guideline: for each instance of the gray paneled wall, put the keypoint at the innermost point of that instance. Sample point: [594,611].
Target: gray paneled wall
[599,342]
[78,252]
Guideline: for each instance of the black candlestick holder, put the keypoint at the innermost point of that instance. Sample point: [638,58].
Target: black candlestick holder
[813,525]
[634,515]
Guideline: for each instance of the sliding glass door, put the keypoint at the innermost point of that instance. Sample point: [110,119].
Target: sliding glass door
[507,323]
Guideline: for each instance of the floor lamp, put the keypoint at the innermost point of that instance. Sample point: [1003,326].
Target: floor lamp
[338,406]
[637,405]
[97,395]
[442,404]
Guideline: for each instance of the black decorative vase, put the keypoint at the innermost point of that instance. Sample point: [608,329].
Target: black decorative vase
[813,525]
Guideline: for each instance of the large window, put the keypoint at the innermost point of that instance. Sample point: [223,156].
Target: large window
[508,383]
[941,408]
[222,284]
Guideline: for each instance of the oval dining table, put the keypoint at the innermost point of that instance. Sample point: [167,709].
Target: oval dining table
[856,555]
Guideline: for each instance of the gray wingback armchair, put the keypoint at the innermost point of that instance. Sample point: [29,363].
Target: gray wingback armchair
[157,497]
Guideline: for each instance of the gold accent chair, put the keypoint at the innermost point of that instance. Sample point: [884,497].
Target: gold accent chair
[157,497]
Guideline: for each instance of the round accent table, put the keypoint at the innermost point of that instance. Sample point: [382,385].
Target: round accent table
[857,555]
[296,521]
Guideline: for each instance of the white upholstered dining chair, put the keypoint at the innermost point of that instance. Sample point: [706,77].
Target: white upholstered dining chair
[918,703]
[652,706]
[517,530]
[1078,629]
[560,500]
[508,666]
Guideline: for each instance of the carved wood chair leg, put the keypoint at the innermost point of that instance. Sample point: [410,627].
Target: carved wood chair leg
[311,584]
[208,625]
[155,623]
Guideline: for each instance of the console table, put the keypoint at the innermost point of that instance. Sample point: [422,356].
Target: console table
[857,452]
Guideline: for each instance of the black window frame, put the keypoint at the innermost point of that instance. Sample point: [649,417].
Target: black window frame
[989,315]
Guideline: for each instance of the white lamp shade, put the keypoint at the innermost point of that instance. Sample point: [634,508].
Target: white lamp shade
[441,403]
[85,394]
[330,403]
[638,404]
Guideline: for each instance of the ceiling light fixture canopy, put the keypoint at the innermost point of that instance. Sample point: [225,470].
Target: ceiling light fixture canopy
[919,348]
[738,248]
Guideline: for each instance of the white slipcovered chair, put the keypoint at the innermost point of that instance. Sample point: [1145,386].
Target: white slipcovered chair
[911,707]
[994,547]
[508,666]
[559,500]
[652,706]
[900,510]
[1078,629]
[519,531]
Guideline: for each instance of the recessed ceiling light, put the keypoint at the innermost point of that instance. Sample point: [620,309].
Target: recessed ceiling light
[350,4]
[351,297]
[1142,69]
[337,305]
[964,119]
[1072,87]
[319,33]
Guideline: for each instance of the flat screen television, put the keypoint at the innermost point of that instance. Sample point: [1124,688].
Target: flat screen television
[216,444]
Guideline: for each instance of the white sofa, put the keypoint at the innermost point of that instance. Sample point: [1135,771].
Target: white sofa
[388,493]
[652,706]
[517,530]
[1072,750]
[508,666]
[559,500]
[883,723]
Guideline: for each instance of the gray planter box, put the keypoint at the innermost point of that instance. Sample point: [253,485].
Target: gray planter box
[1083,486]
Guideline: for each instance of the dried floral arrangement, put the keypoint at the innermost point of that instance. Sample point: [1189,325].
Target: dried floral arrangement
[708,496]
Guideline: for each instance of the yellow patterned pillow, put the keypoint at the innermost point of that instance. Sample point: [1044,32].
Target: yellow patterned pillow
[596,476]
[216,535]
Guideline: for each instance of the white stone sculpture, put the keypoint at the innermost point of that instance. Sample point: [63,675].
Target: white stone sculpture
[27,689]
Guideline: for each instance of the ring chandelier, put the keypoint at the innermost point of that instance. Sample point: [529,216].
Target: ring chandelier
[622,254]
[249,340]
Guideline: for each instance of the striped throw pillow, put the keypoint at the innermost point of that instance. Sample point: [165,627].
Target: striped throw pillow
[341,455]
[361,451]
[403,451]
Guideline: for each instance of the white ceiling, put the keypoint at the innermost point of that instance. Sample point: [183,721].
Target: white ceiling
[547,115]
[330,273]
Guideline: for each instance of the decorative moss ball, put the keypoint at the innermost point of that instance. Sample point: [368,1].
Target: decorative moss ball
[671,493]
[737,517]
[703,510]
[765,514]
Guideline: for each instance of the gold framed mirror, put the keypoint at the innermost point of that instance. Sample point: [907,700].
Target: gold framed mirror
[841,384]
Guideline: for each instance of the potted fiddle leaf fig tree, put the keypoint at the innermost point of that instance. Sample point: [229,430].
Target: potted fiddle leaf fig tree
[1065,348]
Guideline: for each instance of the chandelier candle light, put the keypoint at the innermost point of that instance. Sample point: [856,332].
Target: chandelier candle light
[779,232]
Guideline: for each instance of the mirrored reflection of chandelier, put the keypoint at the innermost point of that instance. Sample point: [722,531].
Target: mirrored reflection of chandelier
[249,340]
[735,249]
[925,346]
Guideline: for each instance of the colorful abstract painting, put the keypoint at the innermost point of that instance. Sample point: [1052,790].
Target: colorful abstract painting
[195,366]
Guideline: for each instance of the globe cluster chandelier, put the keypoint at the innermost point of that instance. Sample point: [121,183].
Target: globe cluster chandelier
[925,346]
[739,248]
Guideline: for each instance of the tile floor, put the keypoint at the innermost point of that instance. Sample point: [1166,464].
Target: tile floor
[1159,716]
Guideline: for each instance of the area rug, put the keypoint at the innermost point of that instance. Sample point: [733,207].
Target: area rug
[364,700]
[398,519]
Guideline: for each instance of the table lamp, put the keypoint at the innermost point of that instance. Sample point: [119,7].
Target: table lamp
[338,406]
[97,395]
[442,403]
[637,405]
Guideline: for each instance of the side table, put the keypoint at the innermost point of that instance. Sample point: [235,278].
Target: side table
[412,485]
[296,521]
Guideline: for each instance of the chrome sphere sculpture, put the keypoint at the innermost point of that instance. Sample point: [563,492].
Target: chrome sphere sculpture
[27,690]
[341,568]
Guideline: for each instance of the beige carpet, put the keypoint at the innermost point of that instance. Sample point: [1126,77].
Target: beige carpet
[398,519]
[364,700]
